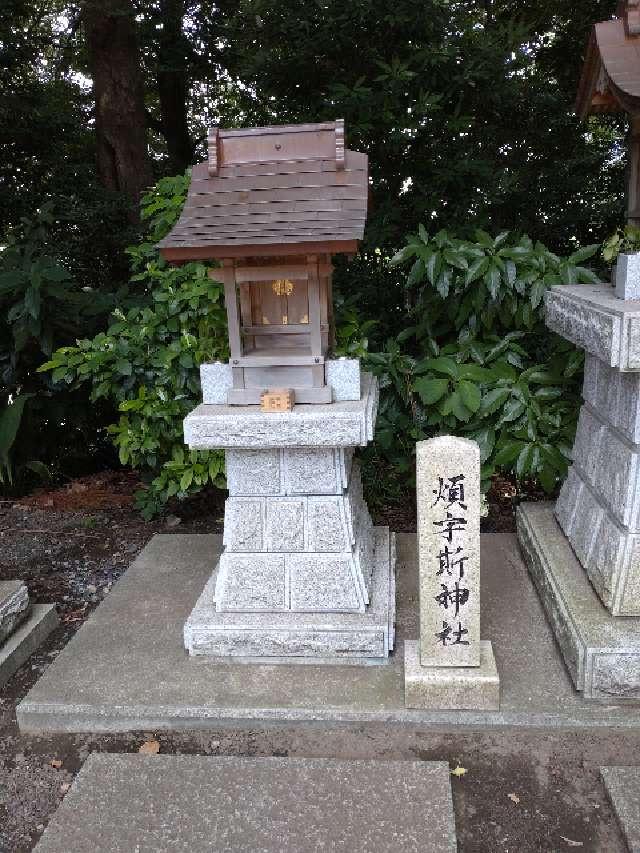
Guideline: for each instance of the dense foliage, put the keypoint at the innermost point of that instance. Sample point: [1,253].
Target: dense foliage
[146,362]
[625,239]
[476,359]
[473,356]
[465,111]
[41,307]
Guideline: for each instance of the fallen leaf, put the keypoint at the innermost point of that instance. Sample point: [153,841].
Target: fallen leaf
[514,798]
[458,771]
[150,747]
[56,762]
[570,843]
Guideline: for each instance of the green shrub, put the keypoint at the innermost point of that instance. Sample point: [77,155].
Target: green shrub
[625,239]
[146,362]
[476,359]
[41,307]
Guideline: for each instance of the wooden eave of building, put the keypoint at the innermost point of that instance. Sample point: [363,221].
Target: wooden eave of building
[610,80]
[245,201]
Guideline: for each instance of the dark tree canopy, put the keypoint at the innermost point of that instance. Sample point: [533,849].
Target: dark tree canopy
[465,109]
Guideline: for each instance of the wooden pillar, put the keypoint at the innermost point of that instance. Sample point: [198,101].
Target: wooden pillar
[633,192]
[233,319]
[315,321]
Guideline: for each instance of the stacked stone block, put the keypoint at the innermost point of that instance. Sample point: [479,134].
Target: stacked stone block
[312,551]
[586,563]
[303,573]
[599,505]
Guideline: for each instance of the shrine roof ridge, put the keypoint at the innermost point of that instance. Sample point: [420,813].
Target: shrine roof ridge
[289,189]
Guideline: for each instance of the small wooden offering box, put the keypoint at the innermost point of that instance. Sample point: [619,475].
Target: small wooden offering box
[277,400]
[273,205]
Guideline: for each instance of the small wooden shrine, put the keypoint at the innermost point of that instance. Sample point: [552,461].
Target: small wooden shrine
[610,83]
[273,204]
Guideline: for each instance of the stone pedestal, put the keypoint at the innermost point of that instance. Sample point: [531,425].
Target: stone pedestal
[449,668]
[304,574]
[598,510]
[23,626]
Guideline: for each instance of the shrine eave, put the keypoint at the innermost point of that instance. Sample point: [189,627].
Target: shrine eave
[610,80]
[184,254]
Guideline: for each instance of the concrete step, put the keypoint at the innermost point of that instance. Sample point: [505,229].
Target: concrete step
[25,639]
[193,804]
[623,788]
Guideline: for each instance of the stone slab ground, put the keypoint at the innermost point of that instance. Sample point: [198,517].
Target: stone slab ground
[623,788]
[126,668]
[193,804]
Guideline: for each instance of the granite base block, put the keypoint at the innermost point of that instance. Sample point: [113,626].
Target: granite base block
[614,395]
[601,651]
[608,552]
[42,620]
[343,377]
[290,635]
[623,789]
[451,688]
[288,471]
[592,317]
[343,424]
[14,606]
[627,277]
[315,524]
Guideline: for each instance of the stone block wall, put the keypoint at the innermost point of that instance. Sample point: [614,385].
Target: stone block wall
[289,471]
[599,504]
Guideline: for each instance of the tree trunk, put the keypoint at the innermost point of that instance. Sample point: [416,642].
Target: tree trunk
[173,86]
[121,131]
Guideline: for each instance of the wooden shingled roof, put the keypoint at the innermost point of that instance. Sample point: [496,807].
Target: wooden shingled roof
[273,191]
[610,79]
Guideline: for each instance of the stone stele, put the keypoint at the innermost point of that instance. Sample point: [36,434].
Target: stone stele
[449,668]
[448,497]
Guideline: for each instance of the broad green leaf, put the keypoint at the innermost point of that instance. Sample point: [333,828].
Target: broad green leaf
[403,255]
[537,293]
[443,283]
[457,407]
[441,364]
[548,478]
[416,273]
[470,395]
[456,259]
[124,367]
[584,254]
[430,390]
[486,439]
[512,410]
[10,419]
[433,267]
[493,399]
[492,281]
[477,269]
[507,454]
